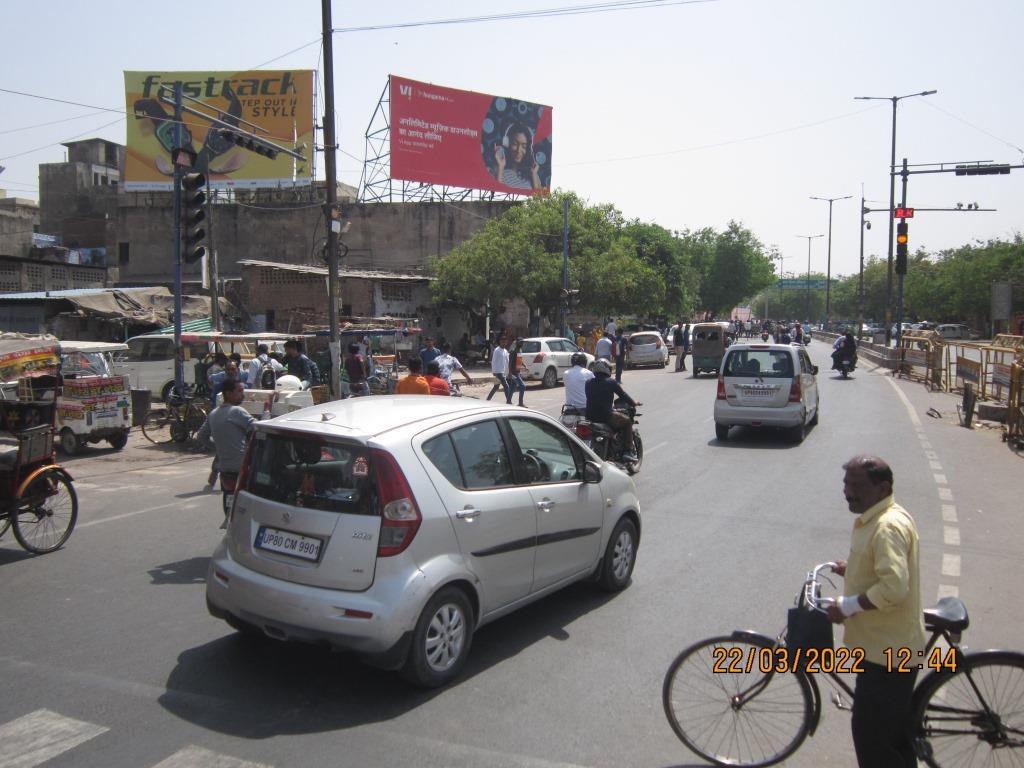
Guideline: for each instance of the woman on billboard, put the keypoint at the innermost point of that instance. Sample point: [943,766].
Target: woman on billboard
[515,163]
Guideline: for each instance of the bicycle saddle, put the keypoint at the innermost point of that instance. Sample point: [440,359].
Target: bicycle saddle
[949,613]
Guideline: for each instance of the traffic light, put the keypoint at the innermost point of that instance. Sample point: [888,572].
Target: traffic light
[249,142]
[571,297]
[991,169]
[901,248]
[193,214]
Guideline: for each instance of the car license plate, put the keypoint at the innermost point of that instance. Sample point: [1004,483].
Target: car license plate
[288,543]
[758,392]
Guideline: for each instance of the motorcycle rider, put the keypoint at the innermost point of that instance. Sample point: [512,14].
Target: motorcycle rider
[844,346]
[576,379]
[601,391]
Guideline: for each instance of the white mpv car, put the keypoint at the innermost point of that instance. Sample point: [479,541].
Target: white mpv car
[767,385]
[395,526]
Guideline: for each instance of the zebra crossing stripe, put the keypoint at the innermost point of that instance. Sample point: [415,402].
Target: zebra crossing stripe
[40,736]
[197,757]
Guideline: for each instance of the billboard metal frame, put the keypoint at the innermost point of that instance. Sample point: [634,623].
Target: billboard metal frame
[376,184]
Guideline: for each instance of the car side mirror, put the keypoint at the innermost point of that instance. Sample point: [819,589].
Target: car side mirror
[592,472]
[814,370]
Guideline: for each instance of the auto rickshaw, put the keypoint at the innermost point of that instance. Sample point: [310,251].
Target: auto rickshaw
[707,345]
[37,498]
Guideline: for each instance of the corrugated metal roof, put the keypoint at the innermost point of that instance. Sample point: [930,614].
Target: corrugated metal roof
[365,274]
[201,325]
[68,294]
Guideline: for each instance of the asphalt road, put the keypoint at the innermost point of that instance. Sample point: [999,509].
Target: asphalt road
[109,659]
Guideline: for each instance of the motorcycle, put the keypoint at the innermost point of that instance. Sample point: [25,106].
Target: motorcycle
[607,443]
[845,365]
[764,335]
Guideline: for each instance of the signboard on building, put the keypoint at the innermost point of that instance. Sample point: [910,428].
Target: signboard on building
[280,102]
[450,137]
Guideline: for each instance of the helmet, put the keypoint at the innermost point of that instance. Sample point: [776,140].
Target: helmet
[601,368]
[579,359]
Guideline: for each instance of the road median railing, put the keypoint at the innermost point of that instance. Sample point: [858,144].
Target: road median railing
[920,356]
[1015,406]
[986,366]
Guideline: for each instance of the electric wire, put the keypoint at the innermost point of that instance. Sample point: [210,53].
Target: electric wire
[65,141]
[52,122]
[972,125]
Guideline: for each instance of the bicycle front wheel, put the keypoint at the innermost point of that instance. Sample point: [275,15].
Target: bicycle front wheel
[974,716]
[156,427]
[728,711]
[195,417]
[46,513]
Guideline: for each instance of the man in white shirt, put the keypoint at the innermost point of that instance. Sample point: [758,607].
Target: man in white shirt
[448,364]
[611,327]
[576,379]
[257,365]
[499,368]
[604,347]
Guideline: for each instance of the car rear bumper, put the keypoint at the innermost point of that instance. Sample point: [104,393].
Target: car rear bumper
[758,416]
[297,612]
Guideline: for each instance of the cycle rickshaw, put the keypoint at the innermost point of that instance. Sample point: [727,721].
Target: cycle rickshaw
[37,498]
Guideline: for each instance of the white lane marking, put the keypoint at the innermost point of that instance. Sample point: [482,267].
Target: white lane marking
[951,536]
[940,480]
[914,418]
[197,757]
[949,513]
[931,455]
[653,448]
[950,565]
[40,736]
[945,494]
[113,518]
[937,466]
[926,445]
[948,590]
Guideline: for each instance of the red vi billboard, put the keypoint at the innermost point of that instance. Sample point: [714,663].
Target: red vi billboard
[457,138]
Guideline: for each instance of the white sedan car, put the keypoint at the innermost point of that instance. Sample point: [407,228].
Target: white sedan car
[547,358]
[646,348]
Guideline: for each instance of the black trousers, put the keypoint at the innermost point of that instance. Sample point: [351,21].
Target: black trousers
[881,718]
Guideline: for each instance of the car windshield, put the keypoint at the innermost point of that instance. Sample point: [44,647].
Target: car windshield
[760,363]
[84,364]
[305,471]
[643,338]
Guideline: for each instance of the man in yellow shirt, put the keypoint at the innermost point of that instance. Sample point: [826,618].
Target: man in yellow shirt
[881,611]
[414,383]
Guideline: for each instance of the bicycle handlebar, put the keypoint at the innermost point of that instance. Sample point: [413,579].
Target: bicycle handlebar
[812,588]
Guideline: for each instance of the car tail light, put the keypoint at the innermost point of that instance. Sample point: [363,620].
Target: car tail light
[539,358]
[657,344]
[721,388]
[243,473]
[583,431]
[794,390]
[400,517]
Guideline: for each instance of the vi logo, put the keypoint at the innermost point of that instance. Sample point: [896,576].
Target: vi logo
[405,90]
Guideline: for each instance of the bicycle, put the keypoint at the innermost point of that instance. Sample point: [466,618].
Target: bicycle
[179,421]
[748,699]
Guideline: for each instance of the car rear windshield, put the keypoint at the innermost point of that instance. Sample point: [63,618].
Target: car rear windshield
[307,471]
[763,363]
[530,346]
[643,338]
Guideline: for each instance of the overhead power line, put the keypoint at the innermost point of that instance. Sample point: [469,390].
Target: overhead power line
[572,10]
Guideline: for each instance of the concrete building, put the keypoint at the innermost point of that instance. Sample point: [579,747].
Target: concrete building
[78,198]
[19,220]
[49,274]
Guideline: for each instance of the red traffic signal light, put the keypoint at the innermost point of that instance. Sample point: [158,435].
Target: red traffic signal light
[903,213]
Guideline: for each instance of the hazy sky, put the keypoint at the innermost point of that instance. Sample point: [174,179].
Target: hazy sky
[686,115]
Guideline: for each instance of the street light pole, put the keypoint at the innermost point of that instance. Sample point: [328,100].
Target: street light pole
[892,196]
[807,306]
[828,273]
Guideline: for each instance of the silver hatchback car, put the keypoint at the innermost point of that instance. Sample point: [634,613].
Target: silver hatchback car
[767,385]
[395,526]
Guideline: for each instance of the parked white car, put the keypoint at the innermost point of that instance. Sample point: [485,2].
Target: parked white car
[396,526]
[547,358]
[956,331]
[646,348]
[767,385]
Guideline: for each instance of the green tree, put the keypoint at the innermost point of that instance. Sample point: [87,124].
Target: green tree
[733,266]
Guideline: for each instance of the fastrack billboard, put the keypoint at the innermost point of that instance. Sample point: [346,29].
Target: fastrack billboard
[278,101]
[460,138]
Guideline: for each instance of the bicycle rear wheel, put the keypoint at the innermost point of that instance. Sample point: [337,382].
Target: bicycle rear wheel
[46,513]
[156,427]
[975,716]
[195,417]
[736,717]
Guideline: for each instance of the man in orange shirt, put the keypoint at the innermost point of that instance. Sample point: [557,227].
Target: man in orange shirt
[414,383]
[438,386]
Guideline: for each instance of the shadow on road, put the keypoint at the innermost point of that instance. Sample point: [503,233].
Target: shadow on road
[258,688]
[12,552]
[191,571]
[757,437]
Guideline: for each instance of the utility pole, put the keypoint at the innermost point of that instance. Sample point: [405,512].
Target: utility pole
[179,354]
[331,207]
[565,268]
[828,274]
[892,194]
[807,300]
[211,263]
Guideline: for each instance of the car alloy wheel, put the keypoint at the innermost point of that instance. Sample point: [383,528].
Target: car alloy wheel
[441,639]
[620,556]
